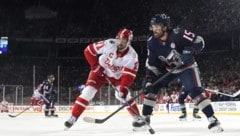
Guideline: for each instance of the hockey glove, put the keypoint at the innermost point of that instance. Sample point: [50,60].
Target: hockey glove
[148,88]
[123,93]
[97,69]
[147,84]
[187,56]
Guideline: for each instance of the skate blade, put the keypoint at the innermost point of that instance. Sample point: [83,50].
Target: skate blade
[143,128]
[183,119]
[66,129]
[196,119]
[217,129]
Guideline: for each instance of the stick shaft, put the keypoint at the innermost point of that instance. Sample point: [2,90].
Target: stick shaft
[99,121]
[13,116]
[230,95]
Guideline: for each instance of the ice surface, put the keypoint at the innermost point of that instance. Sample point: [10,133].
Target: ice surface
[119,125]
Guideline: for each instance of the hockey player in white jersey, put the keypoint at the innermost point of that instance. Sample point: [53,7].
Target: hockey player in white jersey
[36,98]
[4,106]
[111,60]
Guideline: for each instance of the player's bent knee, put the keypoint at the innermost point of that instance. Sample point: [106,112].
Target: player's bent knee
[150,99]
[88,93]
[181,100]
[201,101]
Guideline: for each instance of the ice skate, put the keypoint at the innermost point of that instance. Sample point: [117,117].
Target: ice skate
[214,125]
[196,117]
[195,114]
[68,124]
[147,119]
[183,117]
[47,116]
[140,123]
[54,115]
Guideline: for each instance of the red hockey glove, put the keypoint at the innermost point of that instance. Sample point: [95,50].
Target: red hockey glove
[123,92]
[98,69]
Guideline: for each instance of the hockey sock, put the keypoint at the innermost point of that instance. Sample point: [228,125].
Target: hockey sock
[183,108]
[208,111]
[147,110]
[79,107]
[133,109]
[52,112]
[195,110]
[46,112]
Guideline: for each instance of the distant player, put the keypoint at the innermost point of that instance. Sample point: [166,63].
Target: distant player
[117,62]
[36,98]
[168,48]
[49,96]
[4,106]
[167,99]
[174,97]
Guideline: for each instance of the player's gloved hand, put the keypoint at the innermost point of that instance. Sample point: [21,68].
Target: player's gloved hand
[187,56]
[98,69]
[148,88]
[123,92]
[40,102]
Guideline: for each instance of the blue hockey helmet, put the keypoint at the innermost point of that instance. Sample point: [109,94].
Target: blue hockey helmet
[162,19]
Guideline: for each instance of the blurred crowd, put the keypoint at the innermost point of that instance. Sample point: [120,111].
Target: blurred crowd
[103,17]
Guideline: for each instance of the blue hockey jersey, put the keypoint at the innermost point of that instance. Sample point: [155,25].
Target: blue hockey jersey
[164,55]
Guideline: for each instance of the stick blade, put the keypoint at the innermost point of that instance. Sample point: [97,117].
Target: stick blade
[151,131]
[89,120]
[93,120]
[12,116]
[237,93]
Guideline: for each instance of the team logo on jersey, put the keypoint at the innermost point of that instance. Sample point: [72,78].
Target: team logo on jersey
[113,67]
[173,45]
[162,58]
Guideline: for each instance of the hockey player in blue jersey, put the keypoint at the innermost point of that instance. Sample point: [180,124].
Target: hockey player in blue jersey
[168,48]
[49,96]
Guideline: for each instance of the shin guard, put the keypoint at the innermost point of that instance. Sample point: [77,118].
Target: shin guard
[79,106]
[133,109]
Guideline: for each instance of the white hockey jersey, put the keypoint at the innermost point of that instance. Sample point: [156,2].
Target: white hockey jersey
[115,64]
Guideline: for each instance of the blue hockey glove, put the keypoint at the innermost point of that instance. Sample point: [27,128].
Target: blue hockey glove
[187,56]
[147,84]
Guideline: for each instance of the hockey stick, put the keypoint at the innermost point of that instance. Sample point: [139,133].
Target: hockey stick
[150,129]
[13,116]
[230,95]
[44,98]
[99,121]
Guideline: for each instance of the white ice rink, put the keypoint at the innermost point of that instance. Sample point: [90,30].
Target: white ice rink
[119,125]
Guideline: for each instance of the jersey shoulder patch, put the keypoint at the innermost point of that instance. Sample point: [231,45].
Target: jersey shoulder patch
[176,30]
[112,41]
